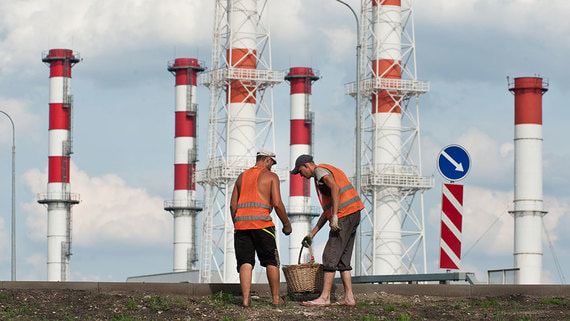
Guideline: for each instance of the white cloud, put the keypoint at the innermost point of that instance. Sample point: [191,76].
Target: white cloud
[26,123]
[485,220]
[520,18]
[491,161]
[489,228]
[5,243]
[34,268]
[97,27]
[110,211]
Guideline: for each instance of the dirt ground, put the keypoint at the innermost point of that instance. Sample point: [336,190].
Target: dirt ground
[67,304]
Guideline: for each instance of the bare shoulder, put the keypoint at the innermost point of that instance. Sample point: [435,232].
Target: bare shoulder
[238,180]
[269,175]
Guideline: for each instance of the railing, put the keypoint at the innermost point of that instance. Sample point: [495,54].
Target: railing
[44,198]
[195,205]
[218,77]
[219,170]
[304,210]
[374,84]
[502,276]
[404,176]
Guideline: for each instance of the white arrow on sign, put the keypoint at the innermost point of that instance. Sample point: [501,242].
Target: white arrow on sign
[458,167]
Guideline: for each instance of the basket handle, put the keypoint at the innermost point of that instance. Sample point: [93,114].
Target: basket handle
[312,256]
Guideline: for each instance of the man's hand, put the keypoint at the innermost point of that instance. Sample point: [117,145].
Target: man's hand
[287,228]
[307,240]
[334,223]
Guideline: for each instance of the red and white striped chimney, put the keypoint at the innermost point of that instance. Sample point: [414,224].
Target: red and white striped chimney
[184,206]
[241,95]
[300,213]
[386,24]
[528,207]
[58,198]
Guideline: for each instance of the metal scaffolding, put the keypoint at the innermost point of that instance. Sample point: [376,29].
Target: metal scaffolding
[397,186]
[237,22]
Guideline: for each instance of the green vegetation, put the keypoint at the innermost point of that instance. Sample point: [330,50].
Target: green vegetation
[4,297]
[121,317]
[404,317]
[553,301]
[488,303]
[223,300]
[406,305]
[368,318]
[222,297]
[389,307]
[131,303]
[457,304]
[158,303]
[362,304]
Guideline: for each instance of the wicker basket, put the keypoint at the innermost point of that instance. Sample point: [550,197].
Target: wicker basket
[304,278]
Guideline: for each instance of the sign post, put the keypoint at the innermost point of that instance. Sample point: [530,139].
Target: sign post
[453,163]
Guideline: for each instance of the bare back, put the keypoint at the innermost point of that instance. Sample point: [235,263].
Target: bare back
[266,185]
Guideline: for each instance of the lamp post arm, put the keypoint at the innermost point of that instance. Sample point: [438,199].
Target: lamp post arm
[358,139]
[13,256]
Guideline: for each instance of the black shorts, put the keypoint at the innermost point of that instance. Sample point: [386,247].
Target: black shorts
[262,241]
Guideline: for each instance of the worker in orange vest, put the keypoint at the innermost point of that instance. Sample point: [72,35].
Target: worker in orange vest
[341,207]
[256,192]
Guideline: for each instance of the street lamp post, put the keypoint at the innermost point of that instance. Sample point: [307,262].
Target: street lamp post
[358,138]
[13,275]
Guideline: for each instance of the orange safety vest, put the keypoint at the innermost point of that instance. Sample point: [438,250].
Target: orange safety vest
[349,200]
[252,211]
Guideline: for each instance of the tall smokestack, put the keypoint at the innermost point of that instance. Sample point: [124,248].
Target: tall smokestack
[528,207]
[387,149]
[237,126]
[300,211]
[58,199]
[184,207]
[390,164]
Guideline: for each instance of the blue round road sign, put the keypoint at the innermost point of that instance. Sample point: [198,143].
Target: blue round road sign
[453,162]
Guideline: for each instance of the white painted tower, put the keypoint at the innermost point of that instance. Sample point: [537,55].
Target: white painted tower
[528,206]
[300,211]
[59,198]
[184,206]
[240,122]
[392,227]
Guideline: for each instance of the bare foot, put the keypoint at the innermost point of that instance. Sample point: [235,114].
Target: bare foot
[346,303]
[317,302]
[278,302]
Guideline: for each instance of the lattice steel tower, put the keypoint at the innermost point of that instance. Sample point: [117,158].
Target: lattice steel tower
[240,122]
[392,227]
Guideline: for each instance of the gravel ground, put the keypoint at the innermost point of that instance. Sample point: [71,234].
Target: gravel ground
[66,304]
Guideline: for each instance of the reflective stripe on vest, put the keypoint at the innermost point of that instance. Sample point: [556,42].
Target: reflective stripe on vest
[253,204]
[345,203]
[349,199]
[252,212]
[252,218]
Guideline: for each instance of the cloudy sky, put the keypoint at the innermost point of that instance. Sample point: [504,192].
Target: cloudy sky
[124,117]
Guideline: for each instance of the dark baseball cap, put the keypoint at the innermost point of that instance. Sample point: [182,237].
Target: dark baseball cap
[302,159]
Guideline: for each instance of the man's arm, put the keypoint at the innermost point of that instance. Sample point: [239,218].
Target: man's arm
[276,201]
[335,195]
[335,192]
[235,198]
[320,223]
